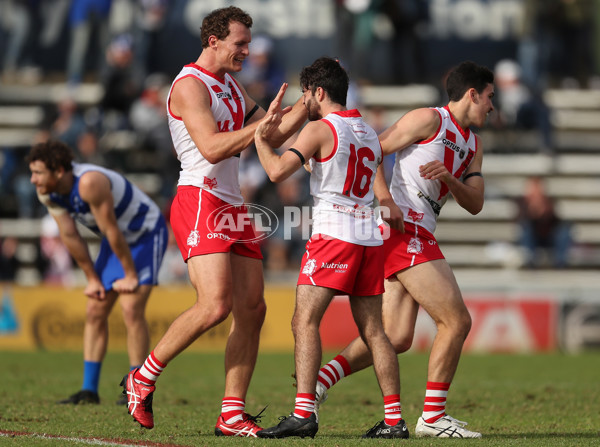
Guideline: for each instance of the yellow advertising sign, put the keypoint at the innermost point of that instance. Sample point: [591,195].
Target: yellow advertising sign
[52,318]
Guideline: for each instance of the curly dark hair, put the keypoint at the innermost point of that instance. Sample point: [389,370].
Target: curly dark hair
[328,74]
[465,76]
[217,23]
[54,154]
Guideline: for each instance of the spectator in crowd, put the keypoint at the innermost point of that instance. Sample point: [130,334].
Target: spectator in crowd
[20,17]
[67,122]
[86,16]
[541,227]
[262,75]
[17,195]
[518,106]
[122,84]
[576,36]
[408,60]
[148,118]
[354,23]
[149,20]
[9,263]
[538,42]
[88,148]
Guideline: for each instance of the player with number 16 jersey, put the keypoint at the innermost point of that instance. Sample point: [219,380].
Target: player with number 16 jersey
[345,253]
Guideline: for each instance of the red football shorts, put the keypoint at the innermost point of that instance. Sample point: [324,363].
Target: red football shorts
[202,224]
[349,268]
[415,246]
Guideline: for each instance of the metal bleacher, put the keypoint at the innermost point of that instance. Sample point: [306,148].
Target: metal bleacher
[487,240]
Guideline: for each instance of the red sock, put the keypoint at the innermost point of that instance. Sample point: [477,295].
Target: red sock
[435,401]
[232,409]
[393,410]
[334,371]
[305,405]
[150,370]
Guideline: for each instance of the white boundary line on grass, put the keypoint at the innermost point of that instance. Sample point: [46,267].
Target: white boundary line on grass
[89,441]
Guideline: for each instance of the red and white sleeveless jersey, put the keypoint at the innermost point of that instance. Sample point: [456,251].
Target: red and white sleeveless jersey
[228,107]
[342,183]
[420,199]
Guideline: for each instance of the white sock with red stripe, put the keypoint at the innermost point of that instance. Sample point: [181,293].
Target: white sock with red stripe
[435,401]
[305,405]
[393,409]
[150,370]
[232,409]
[334,371]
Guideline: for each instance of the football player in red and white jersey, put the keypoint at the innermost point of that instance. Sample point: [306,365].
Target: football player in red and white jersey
[212,119]
[344,254]
[437,155]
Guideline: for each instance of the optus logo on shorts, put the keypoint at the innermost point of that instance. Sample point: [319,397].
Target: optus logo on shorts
[245,223]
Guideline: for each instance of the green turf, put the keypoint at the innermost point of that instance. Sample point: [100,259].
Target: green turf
[533,400]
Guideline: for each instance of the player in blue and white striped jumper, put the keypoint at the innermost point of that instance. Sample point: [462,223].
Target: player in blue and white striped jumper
[134,238]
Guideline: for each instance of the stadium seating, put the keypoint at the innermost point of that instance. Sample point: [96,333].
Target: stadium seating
[487,240]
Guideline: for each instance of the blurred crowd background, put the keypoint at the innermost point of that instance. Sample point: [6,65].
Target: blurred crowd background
[95,74]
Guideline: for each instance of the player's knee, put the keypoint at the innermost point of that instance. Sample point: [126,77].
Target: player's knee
[220,312]
[467,323]
[132,313]
[402,343]
[212,312]
[298,325]
[302,325]
[260,311]
[462,325]
[95,314]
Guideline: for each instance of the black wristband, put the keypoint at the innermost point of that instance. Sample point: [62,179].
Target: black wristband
[473,174]
[250,113]
[300,156]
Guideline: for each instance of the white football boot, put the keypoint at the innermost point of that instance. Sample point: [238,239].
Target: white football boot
[444,427]
[320,397]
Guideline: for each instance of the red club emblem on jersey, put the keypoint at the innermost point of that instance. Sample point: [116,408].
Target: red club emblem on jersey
[210,182]
[416,217]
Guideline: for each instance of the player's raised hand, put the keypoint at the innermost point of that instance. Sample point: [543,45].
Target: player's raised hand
[276,103]
[272,119]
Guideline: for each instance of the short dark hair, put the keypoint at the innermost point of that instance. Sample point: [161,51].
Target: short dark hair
[217,23]
[54,154]
[465,76]
[328,74]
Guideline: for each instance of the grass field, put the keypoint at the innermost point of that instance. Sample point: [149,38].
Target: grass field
[534,400]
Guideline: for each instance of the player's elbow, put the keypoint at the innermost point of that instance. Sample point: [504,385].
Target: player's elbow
[213,158]
[475,208]
[211,154]
[277,175]
[276,178]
